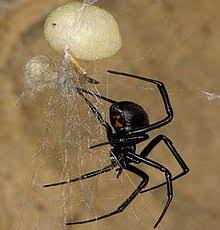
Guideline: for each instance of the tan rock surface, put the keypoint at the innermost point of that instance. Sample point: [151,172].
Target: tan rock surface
[176,42]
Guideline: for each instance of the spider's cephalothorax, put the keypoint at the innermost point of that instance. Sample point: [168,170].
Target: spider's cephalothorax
[127,115]
[131,126]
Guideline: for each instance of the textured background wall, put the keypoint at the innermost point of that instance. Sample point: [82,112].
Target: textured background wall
[176,42]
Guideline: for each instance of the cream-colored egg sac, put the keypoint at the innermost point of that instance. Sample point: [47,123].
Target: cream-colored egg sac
[90,33]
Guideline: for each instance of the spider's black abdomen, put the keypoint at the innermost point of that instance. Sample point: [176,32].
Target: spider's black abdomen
[128,114]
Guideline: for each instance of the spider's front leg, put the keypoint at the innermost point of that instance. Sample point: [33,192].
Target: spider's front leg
[97,114]
[95,95]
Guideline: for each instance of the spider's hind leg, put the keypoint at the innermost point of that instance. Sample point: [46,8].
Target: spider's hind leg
[168,176]
[83,177]
[146,151]
[141,185]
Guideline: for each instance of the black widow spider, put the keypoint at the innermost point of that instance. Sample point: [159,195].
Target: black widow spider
[130,126]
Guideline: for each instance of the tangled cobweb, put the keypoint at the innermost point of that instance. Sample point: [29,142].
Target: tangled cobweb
[211,96]
[58,81]
[41,73]
[89,2]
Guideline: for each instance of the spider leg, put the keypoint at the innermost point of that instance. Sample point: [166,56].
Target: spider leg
[83,177]
[141,185]
[98,145]
[168,176]
[146,151]
[91,80]
[96,95]
[165,97]
[97,114]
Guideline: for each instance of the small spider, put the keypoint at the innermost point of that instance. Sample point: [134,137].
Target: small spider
[130,127]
